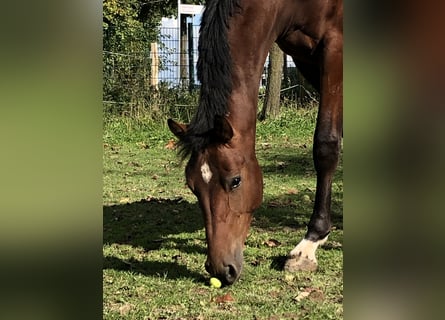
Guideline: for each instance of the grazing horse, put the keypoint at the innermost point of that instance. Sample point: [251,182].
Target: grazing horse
[223,171]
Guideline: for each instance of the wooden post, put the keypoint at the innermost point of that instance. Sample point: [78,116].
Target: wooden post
[154,78]
[183,51]
[191,58]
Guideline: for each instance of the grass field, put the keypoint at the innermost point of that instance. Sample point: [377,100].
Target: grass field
[154,241]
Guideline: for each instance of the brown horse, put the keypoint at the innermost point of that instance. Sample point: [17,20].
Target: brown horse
[222,170]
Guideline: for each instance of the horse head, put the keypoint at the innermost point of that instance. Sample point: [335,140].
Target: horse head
[227,182]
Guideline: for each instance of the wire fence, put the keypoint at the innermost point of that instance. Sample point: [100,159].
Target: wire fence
[166,74]
[177,67]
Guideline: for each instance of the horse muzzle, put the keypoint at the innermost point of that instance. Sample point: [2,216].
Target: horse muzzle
[227,271]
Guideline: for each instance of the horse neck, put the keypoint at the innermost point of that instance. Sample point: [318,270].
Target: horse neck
[242,116]
[250,36]
[247,67]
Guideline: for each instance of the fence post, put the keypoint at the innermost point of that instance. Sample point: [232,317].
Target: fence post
[183,50]
[154,79]
[191,62]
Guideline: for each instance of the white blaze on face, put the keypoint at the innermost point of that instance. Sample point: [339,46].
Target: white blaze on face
[206,173]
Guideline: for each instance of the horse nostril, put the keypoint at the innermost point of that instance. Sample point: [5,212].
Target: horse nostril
[231,274]
[207,266]
[228,274]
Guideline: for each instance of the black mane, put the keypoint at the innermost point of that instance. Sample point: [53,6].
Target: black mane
[214,73]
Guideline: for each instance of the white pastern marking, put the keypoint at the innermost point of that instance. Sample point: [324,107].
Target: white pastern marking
[206,173]
[307,248]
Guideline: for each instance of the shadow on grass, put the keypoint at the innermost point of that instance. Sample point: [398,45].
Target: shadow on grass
[146,223]
[298,164]
[150,224]
[291,209]
[170,270]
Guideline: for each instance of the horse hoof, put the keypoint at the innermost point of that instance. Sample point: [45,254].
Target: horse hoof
[299,263]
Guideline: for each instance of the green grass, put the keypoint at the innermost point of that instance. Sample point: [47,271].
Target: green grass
[154,240]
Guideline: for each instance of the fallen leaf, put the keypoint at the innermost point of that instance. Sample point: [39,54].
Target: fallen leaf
[123,310]
[289,277]
[316,295]
[302,295]
[134,164]
[333,245]
[143,145]
[177,257]
[124,200]
[272,243]
[313,294]
[281,165]
[170,145]
[292,191]
[224,298]
[255,263]
[274,204]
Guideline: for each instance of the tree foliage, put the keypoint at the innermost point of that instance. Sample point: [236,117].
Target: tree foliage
[130,25]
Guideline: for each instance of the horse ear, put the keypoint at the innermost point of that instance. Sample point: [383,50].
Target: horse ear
[222,131]
[178,129]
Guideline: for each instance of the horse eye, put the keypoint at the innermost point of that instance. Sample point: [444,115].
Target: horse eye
[235,182]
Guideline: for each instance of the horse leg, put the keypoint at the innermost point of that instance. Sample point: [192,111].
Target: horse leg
[327,140]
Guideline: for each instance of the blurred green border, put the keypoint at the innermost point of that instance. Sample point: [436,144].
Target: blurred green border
[51,166]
